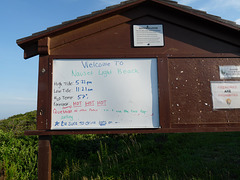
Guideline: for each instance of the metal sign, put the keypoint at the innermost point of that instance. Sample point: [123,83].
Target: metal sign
[148,35]
[229,72]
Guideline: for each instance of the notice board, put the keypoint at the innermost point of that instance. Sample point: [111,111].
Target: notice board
[104,94]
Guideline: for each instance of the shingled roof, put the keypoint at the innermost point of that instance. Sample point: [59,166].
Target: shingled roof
[125,4]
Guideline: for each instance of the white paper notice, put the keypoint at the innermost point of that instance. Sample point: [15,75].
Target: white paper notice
[225,95]
[148,35]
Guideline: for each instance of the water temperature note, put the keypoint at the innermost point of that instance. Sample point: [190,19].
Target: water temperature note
[104,94]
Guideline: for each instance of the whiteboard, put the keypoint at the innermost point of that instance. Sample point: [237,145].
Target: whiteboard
[104,94]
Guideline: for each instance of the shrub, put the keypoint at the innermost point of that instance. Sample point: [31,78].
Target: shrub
[18,153]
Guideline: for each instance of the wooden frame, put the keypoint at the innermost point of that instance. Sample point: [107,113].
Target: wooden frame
[44,102]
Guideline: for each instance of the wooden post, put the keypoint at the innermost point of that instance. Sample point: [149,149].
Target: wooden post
[44,158]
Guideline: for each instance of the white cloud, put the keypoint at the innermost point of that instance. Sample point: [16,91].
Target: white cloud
[218,5]
[226,9]
[230,3]
[238,21]
[186,2]
[111,2]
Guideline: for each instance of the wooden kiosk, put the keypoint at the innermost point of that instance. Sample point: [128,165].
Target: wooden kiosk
[143,66]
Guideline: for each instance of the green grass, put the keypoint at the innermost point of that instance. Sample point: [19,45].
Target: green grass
[152,156]
[19,123]
[196,156]
[18,153]
[18,156]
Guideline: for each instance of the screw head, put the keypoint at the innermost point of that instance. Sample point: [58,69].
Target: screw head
[43,70]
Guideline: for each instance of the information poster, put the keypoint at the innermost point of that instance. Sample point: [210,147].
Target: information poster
[148,35]
[104,94]
[226,95]
[229,72]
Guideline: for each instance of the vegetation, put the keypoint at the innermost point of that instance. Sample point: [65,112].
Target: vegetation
[18,153]
[153,156]
[193,156]
[19,123]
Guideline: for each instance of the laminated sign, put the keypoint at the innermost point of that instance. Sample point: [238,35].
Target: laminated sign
[225,95]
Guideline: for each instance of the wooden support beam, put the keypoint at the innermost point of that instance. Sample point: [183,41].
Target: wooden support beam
[43,48]
[44,158]
[43,110]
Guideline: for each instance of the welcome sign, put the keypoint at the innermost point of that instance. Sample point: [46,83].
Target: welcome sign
[104,94]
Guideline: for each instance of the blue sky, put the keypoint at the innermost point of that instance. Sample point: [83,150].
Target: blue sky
[21,18]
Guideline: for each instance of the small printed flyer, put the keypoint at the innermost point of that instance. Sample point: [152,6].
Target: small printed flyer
[225,94]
